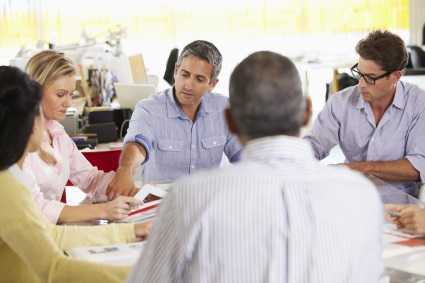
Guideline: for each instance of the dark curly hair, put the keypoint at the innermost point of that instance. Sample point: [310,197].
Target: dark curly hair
[384,48]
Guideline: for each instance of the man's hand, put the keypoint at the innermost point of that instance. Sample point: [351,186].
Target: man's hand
[118,208]
[392,212]
[122,184]
[409,218]
[412,219]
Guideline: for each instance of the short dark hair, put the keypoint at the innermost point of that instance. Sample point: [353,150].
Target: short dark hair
[19,105]
[385,49]
[204,50]
[265,95]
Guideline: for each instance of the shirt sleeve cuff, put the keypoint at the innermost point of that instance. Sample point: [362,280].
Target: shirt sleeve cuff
[52,209]
[236,157]
[144,141]
[419,164]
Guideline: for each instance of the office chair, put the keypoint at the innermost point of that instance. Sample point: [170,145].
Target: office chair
[344,80]
[416,62]
[171,63]
[416,57]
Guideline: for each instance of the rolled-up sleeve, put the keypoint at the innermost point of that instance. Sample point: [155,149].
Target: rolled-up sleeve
[415,146]
[324,135]
[233,148]
[140,129]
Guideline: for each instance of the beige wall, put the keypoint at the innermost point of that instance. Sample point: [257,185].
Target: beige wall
[417,20]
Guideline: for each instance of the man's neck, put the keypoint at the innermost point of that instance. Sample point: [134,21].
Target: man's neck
[189,110]
[380,106]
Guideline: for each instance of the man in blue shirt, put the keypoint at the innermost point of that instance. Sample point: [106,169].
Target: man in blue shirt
[179,130]
[379,123]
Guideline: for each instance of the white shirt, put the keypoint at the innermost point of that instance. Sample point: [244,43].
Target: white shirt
[277,216]
[26,179]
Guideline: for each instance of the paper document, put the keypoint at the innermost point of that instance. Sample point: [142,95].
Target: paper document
[399,235]
[151,197]
[120,254]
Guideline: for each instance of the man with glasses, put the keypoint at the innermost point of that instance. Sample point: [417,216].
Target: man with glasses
[379,123]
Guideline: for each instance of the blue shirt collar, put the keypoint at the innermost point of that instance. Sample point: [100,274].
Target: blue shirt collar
[399,100]
[175,111]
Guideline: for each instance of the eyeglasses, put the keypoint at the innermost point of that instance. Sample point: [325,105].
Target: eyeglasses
[367,78]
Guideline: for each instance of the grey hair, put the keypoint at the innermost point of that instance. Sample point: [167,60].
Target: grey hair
[203,50]
[266,96]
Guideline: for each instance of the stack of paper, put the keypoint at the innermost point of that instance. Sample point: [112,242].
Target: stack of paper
[151,197]
[143,213]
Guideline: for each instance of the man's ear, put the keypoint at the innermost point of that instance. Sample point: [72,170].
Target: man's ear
[212,85]
[230,122]
[176,68]
[397,74]
[308,111]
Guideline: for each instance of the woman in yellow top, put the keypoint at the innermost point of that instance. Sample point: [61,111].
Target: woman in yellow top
[30,246]
[59,159]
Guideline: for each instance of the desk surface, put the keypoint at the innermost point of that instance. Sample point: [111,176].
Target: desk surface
[110,146]
[404,254]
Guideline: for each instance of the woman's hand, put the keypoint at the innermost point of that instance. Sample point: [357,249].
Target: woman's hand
[119,208]
[142,230]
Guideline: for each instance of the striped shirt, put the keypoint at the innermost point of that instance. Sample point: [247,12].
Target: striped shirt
[276,216]
[176,146]
[348,120]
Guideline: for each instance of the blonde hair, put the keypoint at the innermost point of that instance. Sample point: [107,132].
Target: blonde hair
[48,65]
[45,68]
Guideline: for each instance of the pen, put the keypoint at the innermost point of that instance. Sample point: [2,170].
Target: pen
[393,213]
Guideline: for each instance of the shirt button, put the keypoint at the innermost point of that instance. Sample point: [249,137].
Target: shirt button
[193,146]
[214,143]
[192,166]
[170,147]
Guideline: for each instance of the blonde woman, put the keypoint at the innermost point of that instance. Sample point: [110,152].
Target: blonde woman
[31,248]
[59,160]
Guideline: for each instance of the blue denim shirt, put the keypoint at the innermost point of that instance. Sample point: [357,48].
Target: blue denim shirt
[177,146]
[348,120]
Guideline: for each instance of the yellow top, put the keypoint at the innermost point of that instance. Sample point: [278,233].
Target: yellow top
[31,248]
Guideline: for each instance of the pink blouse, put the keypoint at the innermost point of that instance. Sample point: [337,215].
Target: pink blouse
[71,165]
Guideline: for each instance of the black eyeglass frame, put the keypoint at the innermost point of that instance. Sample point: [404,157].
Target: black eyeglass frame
[368,79]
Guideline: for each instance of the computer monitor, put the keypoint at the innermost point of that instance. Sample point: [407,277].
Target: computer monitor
[129,94]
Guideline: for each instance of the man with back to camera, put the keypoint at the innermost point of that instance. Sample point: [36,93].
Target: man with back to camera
[278,215]
[181,129]
[379,123]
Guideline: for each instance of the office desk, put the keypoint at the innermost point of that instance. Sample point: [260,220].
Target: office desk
[105,156]
[404,255]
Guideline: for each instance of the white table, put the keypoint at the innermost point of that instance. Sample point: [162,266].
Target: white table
[403,257]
